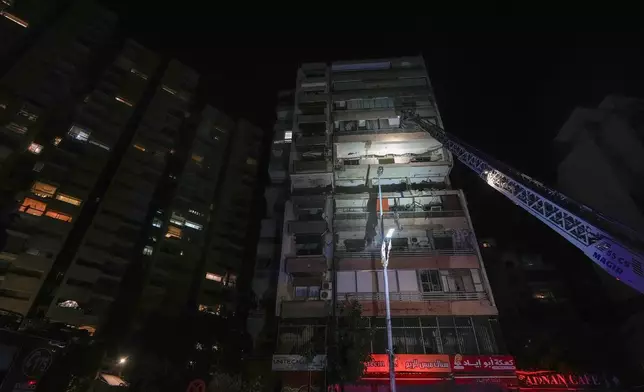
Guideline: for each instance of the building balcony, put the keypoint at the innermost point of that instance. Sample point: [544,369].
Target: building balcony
[307,226]
[391,92]
[349,175]
[317,166]
[305,308]
[347,220]
[410,258]
[306,264]
[374,75]
[311,118]
[316,140]
[417,303]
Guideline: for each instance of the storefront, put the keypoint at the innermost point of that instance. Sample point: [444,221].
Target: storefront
[549,381]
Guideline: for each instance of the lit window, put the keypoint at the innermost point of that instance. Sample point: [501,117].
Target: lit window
[35,148]
[156,222]
[176,221]
[251,161]
[69,304]
[232,279]
[194,225]
[43,190]
[24,112]
[215,277]
[486,244]
[139,147]
[210,309]
[33,207]
[394,121]
[38,166]
[139,74]
[32,251]
[197,158]
[148,250]
[168,89]
[57,140]
[68,199]
[19,129]
[79,133]
[123,100]
[14,19]
[173,232]
[59,216]
[99,144]
[362,123]
[288,135]
[196,212]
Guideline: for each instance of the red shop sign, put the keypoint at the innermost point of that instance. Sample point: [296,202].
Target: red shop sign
[483,363]
[409,363]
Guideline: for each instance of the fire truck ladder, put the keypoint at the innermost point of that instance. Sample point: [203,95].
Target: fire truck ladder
[618,257]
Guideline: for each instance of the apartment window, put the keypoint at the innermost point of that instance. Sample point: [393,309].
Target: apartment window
[459,280]
[196,212]
[123,101]
[215,277]
[197,158]
[15,19]
[16,128]
[216,309]
[139,74]
[43,190]
[430,280]
[139,147]
[173,232]
[147,251]
[35,148]
[156,222]
[79,133]
[33,207]
[68,199]
[68,304]
[307,292]
[193,225]
[231,280]
[251,161]
[57,140]
[59,216]
[100,144]
[28,114]
[288,135]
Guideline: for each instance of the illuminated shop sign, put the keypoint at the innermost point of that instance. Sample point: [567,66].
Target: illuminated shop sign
[482,363]
[551,379]
[409,363]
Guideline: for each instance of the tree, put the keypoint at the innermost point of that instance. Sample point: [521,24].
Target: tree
[350,344]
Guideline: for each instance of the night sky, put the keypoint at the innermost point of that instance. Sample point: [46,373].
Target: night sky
[505,93]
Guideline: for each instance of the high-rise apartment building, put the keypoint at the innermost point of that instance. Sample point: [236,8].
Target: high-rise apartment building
[68,160]
[261,320]
[345,127]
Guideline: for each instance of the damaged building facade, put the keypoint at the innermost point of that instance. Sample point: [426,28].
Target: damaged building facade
[345,127]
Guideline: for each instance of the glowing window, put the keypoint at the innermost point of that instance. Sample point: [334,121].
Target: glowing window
[156,222]
[43,190]
[33,207]
[148,250]
[139,147]
[68,199]
[59,216]
[139,74]
[215,277]
[168,89]
[57,140]
[173,232]
[69,304]
[232,279]
[79,133]
[197,158]
[210,309]
[194,225]
[28,114]
[196,212]
[19,129]
[123,100]
[14,19]
[251,161]
[35,148]
[288,135]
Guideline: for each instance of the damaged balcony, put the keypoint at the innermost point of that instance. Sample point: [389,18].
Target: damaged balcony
[309,256]
[312,159]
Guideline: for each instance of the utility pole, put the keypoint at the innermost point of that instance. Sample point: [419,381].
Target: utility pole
[384,252]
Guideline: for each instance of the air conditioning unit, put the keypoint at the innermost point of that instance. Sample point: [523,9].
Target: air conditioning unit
[327,285]
[326,295]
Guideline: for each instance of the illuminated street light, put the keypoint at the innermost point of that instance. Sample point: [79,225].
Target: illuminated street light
[122,360]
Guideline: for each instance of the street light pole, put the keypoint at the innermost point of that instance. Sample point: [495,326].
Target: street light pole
[384,252]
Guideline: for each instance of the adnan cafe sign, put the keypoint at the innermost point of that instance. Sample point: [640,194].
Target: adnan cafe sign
[553,380]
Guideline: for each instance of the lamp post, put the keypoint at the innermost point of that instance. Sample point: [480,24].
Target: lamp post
[384,253]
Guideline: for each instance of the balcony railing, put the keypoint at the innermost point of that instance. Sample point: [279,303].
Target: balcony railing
[347,214]
[414,296]
[374,251]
